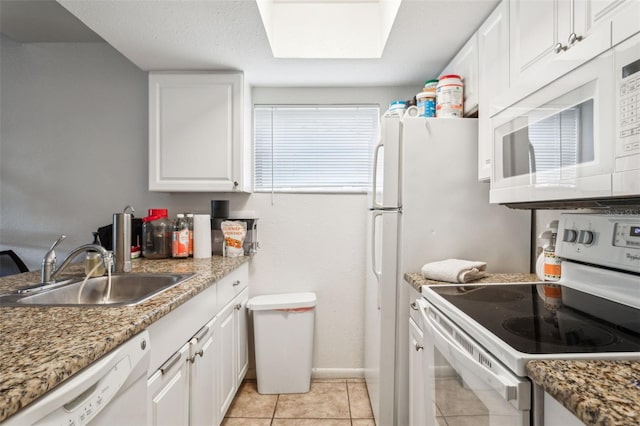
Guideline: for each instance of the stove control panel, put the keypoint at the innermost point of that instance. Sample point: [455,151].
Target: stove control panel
[627,235]
[600,239]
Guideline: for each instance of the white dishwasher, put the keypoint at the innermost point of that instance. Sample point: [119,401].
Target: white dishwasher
[111,391]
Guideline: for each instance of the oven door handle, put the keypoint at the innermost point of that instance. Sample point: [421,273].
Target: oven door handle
[507,387]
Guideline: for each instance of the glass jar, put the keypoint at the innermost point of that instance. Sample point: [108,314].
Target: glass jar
[157,234]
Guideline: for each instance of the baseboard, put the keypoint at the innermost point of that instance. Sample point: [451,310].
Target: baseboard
[323,373]
[337,373]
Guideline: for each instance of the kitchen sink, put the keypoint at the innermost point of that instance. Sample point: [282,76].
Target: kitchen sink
[126,290]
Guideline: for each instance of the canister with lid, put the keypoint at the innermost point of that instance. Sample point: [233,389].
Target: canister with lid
[156,234]
[426,104]
[449,96]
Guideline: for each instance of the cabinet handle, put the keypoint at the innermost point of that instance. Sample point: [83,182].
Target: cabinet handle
[573,37]
[238,306]
[236,282]
[193,358]
[419,347]
[414,306]
[170,362]
[200,336]
[236,183]
[559,48]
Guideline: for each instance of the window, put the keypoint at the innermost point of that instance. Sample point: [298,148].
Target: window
[314,148]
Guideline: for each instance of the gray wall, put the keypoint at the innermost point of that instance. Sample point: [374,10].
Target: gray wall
[73,150]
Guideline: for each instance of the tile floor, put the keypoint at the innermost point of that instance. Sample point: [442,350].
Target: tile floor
[328,403]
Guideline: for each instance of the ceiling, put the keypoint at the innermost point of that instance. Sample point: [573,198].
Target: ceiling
[229,35]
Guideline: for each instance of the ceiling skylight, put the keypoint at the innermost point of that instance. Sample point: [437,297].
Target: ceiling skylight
[328,28]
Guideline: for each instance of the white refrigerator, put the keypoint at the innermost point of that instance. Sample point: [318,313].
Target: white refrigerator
[426,204]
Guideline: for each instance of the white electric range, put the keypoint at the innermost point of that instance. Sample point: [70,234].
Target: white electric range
[479,338]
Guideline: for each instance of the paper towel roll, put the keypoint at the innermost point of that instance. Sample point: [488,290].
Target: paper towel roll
[201,236]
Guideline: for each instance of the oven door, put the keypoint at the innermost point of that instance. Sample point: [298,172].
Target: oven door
[463,383]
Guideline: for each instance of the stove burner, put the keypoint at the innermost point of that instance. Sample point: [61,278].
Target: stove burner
[560,330]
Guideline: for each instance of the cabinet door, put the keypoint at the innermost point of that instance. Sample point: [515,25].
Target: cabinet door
[534,34]
[204,390]
[241,334]
[465,64]
[417,413]
[552,37]
[168,391]
[493,79]
[196,139]
[227,357]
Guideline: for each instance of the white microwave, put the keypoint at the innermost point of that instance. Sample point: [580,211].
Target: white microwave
[577,138]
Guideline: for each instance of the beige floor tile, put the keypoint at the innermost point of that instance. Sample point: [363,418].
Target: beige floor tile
[325,400]
[359,401]
[363,422]
[355,380]
[245,422]
[310,422]
[249,403]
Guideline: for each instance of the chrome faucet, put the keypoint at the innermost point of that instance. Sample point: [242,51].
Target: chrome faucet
[49,270]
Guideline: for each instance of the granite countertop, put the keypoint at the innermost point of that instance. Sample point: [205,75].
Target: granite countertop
[43,346]
[597,392]
[416,280]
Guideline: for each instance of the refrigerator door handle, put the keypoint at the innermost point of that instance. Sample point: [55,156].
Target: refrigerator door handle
[374,266]
[374,202]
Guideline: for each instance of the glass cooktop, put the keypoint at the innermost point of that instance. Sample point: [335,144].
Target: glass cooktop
[580,323]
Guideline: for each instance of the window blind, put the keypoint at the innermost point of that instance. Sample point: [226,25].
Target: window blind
[314,148]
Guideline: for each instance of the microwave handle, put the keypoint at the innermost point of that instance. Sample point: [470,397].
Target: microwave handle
[507,389]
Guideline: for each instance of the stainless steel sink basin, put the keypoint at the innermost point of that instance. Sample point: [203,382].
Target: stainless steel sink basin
[126,289]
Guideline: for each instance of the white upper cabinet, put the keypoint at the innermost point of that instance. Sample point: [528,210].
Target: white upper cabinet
[465,64]
[551,37]
[198,134]
[493,79]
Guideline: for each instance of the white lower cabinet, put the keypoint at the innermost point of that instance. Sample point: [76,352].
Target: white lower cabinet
[203,369]
[168,391]
[200,367]
[417,414]
[233,345]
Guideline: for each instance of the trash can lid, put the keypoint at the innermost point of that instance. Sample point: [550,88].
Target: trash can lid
[282,301]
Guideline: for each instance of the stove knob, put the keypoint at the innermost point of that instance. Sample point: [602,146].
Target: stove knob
[586,237]
[570,235]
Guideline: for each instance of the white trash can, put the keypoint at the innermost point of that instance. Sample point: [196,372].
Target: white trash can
[283,336]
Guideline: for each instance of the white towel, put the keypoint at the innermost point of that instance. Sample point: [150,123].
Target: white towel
[454,270]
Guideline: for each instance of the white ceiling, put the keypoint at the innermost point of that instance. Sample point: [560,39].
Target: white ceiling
[229,35]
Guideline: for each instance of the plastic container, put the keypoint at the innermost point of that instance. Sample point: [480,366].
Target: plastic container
[430,86]
[449,97]
[283,336]
[426,104]
[156,234]
[396,109]
[180,237]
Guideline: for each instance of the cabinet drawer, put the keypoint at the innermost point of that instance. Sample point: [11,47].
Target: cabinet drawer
[232,284]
